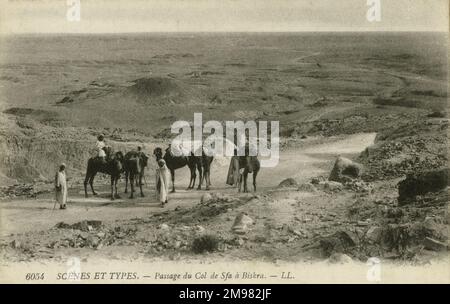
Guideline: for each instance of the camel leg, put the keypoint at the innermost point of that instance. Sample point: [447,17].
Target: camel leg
[85,185]
[206,174]
[91,183]
[245,181]
[172,172]
[200,178]
[140,183]
[239,182]
[116,195]
[193,178]
[126,181]
[112,187]
[194,175]
[209,178]
[190,182]
[255,173]
[132,185]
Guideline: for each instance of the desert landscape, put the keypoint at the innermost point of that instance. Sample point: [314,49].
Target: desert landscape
[377,99]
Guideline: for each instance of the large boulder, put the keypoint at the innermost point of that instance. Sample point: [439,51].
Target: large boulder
[339,242]
[345,169]
[422,183]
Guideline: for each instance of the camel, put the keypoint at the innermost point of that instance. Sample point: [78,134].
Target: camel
[134,166]
[249,164]
[205,163]
[112,167]
[201,163]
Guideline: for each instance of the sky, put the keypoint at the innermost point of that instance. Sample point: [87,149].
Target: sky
[121,16]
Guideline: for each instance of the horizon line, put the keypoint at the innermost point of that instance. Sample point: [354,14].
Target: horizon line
[225,32]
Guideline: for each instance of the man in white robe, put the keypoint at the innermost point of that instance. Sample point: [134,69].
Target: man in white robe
[61,186]
[162,182]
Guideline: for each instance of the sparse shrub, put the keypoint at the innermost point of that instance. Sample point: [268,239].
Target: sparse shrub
[205,243]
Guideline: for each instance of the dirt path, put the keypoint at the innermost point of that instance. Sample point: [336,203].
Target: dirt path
[20,216]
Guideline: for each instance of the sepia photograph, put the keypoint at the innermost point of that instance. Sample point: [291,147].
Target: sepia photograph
[229,142]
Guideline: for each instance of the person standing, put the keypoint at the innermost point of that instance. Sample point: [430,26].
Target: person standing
[162,182]
[61,186]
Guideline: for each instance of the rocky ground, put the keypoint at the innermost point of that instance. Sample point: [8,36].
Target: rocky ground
[324,93]
[298,220]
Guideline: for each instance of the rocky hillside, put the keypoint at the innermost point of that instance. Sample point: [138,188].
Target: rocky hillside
[410,147]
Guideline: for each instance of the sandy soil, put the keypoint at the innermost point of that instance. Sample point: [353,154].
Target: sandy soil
[55,103]
[20,215]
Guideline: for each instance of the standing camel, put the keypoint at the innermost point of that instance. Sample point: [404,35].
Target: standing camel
[134,167]
[240,167]
[250,164]
[193,162]
[205,163]
[112,167]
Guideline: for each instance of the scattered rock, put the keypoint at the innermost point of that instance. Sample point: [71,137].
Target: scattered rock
[206,198]
[393,213]
[164,227]
[16,244]
[241,223]
[359,186]
[344,169]
[83,225]
[374,234]
[339,242]
[363,223]
[298,233]
[260,239]
[28,190]
[317,180]
[332,186]
[240,241]
[92,241]
[199,229]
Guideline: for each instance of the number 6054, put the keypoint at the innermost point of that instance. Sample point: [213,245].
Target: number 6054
[34,276]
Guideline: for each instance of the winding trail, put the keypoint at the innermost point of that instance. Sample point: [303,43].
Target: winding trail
[21,215]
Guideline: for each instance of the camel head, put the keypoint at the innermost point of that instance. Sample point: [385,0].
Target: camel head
[144,158]
[117,160]
[158,153]
[119,156]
